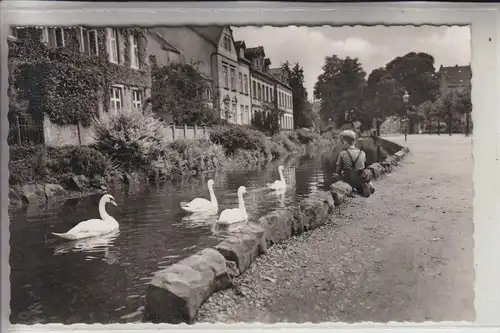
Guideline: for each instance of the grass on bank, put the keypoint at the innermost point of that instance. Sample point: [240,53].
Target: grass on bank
[132,142]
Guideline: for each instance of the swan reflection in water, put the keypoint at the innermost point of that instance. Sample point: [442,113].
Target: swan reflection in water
[94,244]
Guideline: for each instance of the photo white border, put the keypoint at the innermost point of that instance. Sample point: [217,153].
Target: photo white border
[485,31]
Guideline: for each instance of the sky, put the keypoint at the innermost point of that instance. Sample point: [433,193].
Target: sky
[374,46]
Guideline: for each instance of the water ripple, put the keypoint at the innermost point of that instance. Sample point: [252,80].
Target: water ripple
[103,280]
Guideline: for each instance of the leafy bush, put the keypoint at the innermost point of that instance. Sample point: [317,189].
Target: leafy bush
[133,139]
[185,157]
[233,137]
[305,136]
[284,140]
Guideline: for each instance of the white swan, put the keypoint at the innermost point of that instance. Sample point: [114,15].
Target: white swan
[279,184]
[234,215]
[200,205]
[93,227]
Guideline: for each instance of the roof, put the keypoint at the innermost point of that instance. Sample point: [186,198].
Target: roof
[164,42]
[456,75]
[211,34]
[252,52]
[240,45]
[276,71]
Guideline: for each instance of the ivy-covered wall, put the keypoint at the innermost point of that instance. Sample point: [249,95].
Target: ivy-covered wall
[66,84]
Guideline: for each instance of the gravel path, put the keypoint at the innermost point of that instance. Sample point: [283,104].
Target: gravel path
[404,254]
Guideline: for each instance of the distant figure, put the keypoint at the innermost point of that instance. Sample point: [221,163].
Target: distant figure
[351,165]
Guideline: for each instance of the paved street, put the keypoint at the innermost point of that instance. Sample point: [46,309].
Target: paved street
[404,254]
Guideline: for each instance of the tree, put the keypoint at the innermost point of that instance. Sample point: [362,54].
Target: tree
[268,118]
[382,98]
[415,73]
[178,91]
[302,114]
[340,88]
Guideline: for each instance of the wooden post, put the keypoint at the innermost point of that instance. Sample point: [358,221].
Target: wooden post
[194,131]
[172,126]
[204,131]
[184,129]
[79,134]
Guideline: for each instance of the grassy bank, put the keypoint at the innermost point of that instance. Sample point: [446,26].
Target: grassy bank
[134,145]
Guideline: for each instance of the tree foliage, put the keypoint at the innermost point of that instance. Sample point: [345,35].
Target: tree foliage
[302,112]
[178,91]
[340,88]
[267,119]
[383,96]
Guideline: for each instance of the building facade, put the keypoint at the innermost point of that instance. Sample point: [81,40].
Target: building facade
[454,78]
[245,111]
[267,88]
[161,52]
[284,97]
[214,52]
[116,55]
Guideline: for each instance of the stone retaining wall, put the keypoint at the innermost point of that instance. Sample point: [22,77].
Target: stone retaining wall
[176,293]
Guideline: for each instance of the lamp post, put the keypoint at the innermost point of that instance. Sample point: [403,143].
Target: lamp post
[406,97]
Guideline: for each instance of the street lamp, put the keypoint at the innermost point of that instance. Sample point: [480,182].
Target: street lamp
[406,98]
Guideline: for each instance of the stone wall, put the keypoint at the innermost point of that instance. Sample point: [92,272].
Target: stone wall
[175,294]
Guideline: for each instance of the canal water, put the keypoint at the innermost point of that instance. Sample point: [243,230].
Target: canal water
[103,280]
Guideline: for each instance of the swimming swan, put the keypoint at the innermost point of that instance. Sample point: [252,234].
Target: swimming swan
[279,184]
[200,205]
[93,227]
[234,215]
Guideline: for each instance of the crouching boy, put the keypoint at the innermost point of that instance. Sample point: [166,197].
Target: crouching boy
[351,165]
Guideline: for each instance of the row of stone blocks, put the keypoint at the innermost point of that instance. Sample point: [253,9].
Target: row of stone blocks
[176,293]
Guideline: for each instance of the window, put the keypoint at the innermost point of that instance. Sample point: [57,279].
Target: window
[233,79]
[116,98]
[245,83]
[88,41]
[134,52]
[254,90]
[240,80]
[224,76]
[136,99]
[259,91]
[208,94]
[13,32]
[55,37]
[226,42]
[235,111]
[267,93]
[247,113]
[271,94]
[114,55]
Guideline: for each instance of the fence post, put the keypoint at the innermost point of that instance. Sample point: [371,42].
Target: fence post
[79,134]
[194,134]
[18,131]
[172,126]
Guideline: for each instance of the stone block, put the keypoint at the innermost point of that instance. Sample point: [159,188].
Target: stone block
[277,225]
[340,191]
[53,191]
[313,212]
[33,194]
[244,246]
[325,197]
[175,294]
[377,170]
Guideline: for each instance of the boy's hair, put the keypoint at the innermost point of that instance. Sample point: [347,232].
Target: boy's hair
[348,140]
